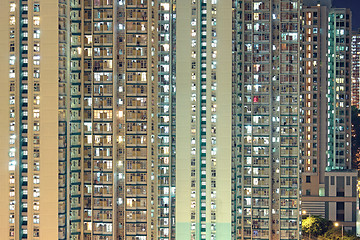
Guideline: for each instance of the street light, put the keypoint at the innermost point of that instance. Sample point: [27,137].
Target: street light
[304,213]
[342,229]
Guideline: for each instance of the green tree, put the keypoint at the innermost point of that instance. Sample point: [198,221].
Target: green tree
[315,225]
[335,234]
[323,229]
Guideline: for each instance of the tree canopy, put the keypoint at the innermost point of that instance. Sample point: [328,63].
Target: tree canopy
[315,225]
[323,229]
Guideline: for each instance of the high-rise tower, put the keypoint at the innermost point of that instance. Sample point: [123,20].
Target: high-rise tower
[29,119]
[355,73]
[328,184]
[91,119]
[94,126]
[203,113]
[314,98]
[117,120]
[266,182]
[339,90]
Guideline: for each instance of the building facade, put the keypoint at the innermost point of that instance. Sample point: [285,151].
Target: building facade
[203,113]
[266,88]
[314,96]
[355,73]
[326,94]
[116,144]
[339,90]
[29,120]
[91,104]
[116,106]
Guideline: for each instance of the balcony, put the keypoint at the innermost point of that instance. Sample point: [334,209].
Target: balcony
[61,221]
[61,208]
[103,3]
[62,181]
[103,191]
[133,191]
[136,229]
[137,4]
[103,203]
[104,178]
[136,153]
[136,27]
[136,15]
[61,194]
[136,216]
[75,4]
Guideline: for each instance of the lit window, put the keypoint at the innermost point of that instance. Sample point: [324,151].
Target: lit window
[165,6]
[12,60]
[12,20]
[36,33]
[12,7]
[36,113]
[36,21]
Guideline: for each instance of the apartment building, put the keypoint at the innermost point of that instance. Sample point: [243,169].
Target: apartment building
[91,106]
[266,88]
[339,89]
[326,114]
[120,121]
[314,94]
[355,73]
[29,120]
[203,113]
[94,124]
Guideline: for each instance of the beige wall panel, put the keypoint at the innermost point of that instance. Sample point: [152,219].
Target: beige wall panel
[348,212]
[224,122]
[332,210]
[49,120]
[183,106]
[4,119]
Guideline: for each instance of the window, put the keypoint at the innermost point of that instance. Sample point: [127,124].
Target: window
[36,33]
[340,206]
[36,47]
[12,60]
[12,7]
[36,7]
[12,47]
[12,20]
[36,87]
[36,21]
[12,73]
[308,179]
[36,73]
[332,180]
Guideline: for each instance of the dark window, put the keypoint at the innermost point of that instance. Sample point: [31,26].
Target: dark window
[340,206]
[332,180]
[308,180]
[340,217]
[347,180]
[340,194]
